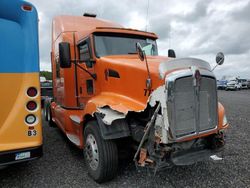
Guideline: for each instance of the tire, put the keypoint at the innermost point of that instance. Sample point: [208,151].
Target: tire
[49,117]
[101,156]
[45,109]
[45,113]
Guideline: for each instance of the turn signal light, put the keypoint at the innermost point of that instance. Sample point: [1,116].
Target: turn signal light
[32,92]
[31,105]
[30,119]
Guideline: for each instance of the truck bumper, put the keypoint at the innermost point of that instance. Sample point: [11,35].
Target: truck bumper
[192,156]
[21,155]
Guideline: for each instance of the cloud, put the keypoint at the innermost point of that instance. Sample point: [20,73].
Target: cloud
[199,11]
[242,14]
[198,28]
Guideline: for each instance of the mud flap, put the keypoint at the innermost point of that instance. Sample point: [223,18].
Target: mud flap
[118,129]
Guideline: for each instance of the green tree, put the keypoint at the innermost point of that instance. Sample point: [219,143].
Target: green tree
[46,74]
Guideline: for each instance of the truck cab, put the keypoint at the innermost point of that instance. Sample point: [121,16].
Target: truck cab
[110,84]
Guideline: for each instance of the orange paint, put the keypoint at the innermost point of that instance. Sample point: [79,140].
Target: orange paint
[124,94]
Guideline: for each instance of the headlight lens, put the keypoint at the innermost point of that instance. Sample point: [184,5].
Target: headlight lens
[224,120]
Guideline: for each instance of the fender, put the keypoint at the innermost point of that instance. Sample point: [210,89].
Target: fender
[221,114]
[118,129]
[114,126]
[117,102]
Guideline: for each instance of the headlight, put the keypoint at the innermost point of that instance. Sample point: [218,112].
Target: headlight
[225,120]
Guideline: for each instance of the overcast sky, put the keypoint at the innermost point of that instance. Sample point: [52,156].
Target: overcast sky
[192,28]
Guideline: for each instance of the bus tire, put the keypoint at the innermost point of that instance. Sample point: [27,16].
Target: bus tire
[101,156]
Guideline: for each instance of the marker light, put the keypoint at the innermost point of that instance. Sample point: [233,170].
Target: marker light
[225,120]
[32,92]
[31,105]
[30,119]
[27,8]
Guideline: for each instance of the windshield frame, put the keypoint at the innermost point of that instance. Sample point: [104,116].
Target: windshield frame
[121,35]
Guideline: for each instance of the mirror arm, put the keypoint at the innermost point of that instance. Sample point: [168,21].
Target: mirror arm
[94,76]
[214,67]
[81,61]
[149,81]
[147,64]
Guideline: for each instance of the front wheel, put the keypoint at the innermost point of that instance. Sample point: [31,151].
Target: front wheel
[101,156]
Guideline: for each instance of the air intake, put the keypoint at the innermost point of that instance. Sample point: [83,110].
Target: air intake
[89,15]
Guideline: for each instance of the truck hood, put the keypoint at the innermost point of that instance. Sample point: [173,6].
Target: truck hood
[158,65]
[122,80]
[132,61]
[125,76]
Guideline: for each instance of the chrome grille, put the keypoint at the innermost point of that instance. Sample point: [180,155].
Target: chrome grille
[192,109]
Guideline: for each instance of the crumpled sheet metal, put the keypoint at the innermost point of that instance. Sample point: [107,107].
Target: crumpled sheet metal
[158,95]
[110,115]
[113,112]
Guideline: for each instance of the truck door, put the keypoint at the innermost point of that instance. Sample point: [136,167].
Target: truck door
[86,84]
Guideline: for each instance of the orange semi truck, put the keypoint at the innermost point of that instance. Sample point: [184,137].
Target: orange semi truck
[110,84]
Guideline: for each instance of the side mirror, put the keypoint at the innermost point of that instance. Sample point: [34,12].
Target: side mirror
[64,55]
[171,53]
[220,58]
[140,51]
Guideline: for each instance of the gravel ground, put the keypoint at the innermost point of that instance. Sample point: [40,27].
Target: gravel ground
[63,166]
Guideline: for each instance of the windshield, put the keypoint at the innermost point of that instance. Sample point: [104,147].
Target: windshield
[120,44]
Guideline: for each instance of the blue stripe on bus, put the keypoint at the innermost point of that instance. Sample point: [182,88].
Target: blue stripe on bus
[18,38]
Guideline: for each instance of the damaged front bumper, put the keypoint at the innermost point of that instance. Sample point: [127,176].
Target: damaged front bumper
[160,156]
[181,122]
[192,156]
[181,158]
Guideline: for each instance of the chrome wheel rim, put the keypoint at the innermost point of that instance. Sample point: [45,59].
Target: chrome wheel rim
[91,152]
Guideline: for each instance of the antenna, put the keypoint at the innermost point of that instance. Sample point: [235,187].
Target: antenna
[147,17]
